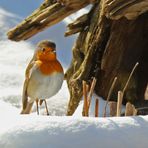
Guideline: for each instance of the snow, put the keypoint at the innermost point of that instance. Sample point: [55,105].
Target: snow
[56,130]
[21,131]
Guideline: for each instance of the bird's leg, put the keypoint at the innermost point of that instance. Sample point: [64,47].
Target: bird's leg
[37,105]
[40,102]
[46,108]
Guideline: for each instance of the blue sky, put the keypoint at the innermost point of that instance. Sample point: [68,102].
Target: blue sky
[20,7]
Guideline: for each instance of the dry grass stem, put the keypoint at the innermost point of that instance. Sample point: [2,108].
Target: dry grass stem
[119,103]
[97,108]
[85,92]
[91,91]
[129,109]
[113,108]
[133,70]
[109,95]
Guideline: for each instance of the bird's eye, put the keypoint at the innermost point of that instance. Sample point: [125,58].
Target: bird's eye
[53,50]
[43,49]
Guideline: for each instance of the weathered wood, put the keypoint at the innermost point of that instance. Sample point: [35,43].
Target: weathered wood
[74,3]
[127,44]
[78,25]
[47,15]
[89,44]
[115,9]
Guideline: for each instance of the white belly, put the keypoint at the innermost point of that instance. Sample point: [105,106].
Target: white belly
[44,87]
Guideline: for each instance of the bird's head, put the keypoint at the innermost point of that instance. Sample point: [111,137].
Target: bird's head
[46,51]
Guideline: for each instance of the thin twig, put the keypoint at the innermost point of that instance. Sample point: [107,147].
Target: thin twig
[119,103]
[91,91]
[113,108]
[85,107]
[97,108]
[133,70]
[109,95]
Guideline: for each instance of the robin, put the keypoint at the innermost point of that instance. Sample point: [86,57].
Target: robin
[43,78]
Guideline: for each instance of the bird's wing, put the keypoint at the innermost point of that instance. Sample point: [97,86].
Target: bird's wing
[27,77]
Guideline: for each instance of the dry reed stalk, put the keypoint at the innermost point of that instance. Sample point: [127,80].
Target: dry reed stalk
[129,109]
[131,74]
[119,103]
[87,88]
[109,95]
[91,91]
[113,108]
[97,108]
[85,91]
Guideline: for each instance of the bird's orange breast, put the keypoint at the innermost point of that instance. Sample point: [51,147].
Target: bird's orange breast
[49,67]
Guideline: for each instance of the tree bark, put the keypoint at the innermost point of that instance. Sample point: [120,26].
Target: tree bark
[127,45]
[114,47]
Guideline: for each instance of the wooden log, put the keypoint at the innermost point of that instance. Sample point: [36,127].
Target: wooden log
[43,18]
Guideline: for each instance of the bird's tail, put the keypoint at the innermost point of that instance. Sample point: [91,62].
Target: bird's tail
[28,108]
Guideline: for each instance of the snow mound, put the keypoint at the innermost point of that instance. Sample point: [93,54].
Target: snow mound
[69,132]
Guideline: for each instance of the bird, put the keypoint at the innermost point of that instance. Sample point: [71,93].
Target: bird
[44,76]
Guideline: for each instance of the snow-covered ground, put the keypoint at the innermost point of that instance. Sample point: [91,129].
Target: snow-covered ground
[56,130]
[32,131]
